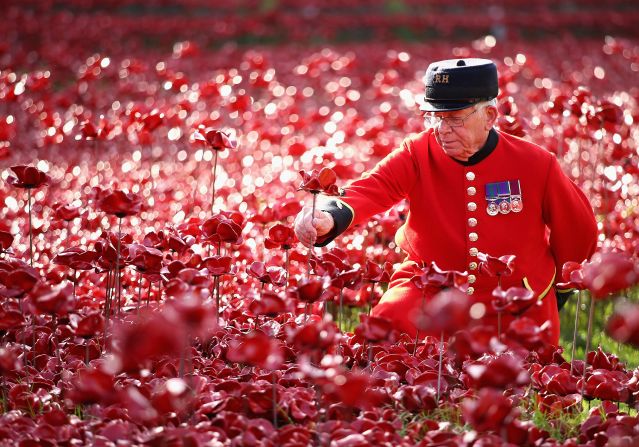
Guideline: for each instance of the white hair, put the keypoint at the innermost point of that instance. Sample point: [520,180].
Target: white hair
[489,103]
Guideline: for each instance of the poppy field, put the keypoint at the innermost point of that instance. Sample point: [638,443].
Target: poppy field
[153,292]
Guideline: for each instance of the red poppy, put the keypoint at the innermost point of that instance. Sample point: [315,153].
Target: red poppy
[280,235]
[514,300]
[172,395]
[268,303]
[553,379]
[6,239]
[376,329]
[89,325]
[417,398]
[17,282]
[10,318]
[354,389]
[191,310]
[501,372]
[315,335]
[350,279]
[120,203]
[225,227]
[66,212]
[148,338]
[54,300]
[374,272]
[268,275]
[473,343]
[319,182]
[90,386]
[492,266]
[257,349]
[27,177]
[610,272]
[489,411]
[145,259]
[9,360]
[605,385]
[623,325]
[310,290]
[214,139]
[432,279]
[76,258]
[217,265]
[555,405]
[447,312]
[229,231]
[572,274]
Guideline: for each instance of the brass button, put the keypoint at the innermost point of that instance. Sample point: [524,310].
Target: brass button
[471,191]
[472,206]
[473,266]
[470,176]
[473,236]
[472,222]
[473,251]
[472,278]
[470,290]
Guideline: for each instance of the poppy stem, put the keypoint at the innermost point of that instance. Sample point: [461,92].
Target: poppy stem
[148,293]
[590,318]
[370,356]
[216,284]
[74,281]
[273,382]
[139,292]
[30,230]
[499,325]
[574,333]
[286,263]
[213,182]
[340,312]
[310,249]
[106,294]
[86,351]
[117,262]
[439,370]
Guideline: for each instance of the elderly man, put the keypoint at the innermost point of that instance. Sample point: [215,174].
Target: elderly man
[471,189]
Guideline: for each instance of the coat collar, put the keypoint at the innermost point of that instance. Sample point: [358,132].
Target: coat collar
[487,149]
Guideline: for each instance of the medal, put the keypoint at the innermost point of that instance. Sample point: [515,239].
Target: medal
[491,197]
[504,206]
[516,203]
[503,189]
[492,209]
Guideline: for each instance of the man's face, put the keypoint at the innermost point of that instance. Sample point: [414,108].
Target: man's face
[462,141]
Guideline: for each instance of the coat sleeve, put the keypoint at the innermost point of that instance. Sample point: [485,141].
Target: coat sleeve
[570,219]
[374,192]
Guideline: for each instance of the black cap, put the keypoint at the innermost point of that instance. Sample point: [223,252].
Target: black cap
[456,84]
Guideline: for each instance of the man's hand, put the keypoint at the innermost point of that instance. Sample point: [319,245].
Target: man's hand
[308,228]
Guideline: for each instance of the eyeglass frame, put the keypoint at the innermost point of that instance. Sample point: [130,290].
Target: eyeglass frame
[434,121]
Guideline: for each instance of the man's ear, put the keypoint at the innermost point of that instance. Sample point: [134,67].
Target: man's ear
[491,116]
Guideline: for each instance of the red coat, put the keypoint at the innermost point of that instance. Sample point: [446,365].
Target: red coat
[448,222]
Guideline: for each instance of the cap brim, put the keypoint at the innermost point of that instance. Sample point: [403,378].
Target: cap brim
[445,106]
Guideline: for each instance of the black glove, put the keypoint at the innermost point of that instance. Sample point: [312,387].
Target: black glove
[563,296]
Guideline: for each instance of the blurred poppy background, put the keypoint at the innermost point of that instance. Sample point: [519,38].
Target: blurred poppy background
[154,155]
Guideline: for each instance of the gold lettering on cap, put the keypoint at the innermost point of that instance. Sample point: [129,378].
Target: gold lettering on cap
[441,79]
[445,79]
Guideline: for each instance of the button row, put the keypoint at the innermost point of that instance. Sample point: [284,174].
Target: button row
[473,237]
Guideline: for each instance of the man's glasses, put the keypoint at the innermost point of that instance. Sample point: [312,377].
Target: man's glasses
[452,121]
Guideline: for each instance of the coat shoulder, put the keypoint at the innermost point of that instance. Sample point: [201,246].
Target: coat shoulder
[525,149]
